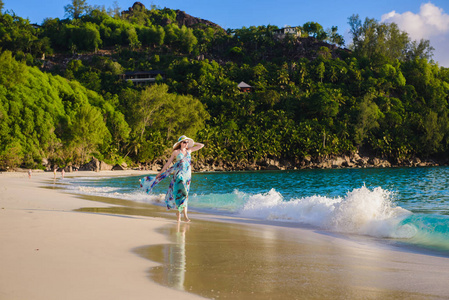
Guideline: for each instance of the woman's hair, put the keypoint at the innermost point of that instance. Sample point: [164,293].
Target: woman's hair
[177,147]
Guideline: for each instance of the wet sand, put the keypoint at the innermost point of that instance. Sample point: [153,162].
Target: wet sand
[133,246]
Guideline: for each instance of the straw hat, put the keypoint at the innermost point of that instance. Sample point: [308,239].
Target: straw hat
[183,138]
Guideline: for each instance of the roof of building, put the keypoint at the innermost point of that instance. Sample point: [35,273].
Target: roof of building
[244,85]
[151,72]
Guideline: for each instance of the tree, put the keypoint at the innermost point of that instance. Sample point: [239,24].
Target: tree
[182,115]
[320,69]
[314,29]
[374,40]
[11,71]
[91,37]
[11,154]
[420,50]
[368,114]
[133,39]
[17,34]
[158,109]
[322,104]
[334,37]
[84,37]
[157,113]
[76,9]
[144,109]
[187,39]
[88,131]
[115,10]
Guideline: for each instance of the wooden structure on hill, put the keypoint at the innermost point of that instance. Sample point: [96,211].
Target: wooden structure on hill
[142,77]
[244,87]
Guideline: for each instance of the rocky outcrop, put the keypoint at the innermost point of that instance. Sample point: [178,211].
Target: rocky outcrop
[136,6]
[68,169]
[120,167]
[335,162]
[105,167]
[187,20]
[182,19]
[304,45]
[93,165]
[307,47]
[96,166]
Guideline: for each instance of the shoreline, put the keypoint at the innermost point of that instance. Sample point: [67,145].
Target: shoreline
[352,161]
[55,247]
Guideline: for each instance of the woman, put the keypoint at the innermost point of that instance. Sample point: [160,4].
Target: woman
[178,191]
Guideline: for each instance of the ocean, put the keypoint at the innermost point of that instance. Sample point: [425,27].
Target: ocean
[405,206]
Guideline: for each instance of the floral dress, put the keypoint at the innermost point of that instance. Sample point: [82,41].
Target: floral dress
[178,190]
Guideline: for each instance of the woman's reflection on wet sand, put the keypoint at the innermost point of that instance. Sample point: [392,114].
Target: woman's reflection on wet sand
[175,258]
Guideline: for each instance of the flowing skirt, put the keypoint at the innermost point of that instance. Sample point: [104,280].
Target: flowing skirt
[178,191]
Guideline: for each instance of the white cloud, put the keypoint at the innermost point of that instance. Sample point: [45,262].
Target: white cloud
[431,23]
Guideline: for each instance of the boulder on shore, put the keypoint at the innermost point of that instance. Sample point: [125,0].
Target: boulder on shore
[93,165]
[105,167]
[118,167]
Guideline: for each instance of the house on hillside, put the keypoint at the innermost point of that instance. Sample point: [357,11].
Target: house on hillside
[244,87]
[283,32]
[142,77]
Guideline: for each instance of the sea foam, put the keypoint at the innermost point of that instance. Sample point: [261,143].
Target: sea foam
[361,211]
[114,192]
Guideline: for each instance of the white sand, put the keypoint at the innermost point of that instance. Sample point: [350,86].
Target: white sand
[48,251]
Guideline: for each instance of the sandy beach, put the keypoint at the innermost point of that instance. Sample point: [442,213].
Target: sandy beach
[49,251]
[53,246]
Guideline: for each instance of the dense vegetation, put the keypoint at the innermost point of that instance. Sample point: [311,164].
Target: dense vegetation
[61,98]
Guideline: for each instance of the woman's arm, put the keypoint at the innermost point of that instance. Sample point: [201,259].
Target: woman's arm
[196,147]
[168,163]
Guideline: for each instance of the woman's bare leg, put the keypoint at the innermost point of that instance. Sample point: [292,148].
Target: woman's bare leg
[178,214]
[185,214]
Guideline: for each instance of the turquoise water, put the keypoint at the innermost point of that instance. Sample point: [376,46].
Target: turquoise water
[410,205]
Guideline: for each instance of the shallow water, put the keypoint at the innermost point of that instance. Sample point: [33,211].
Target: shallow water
[408,205]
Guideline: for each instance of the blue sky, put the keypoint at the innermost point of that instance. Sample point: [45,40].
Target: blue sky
[421,19]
